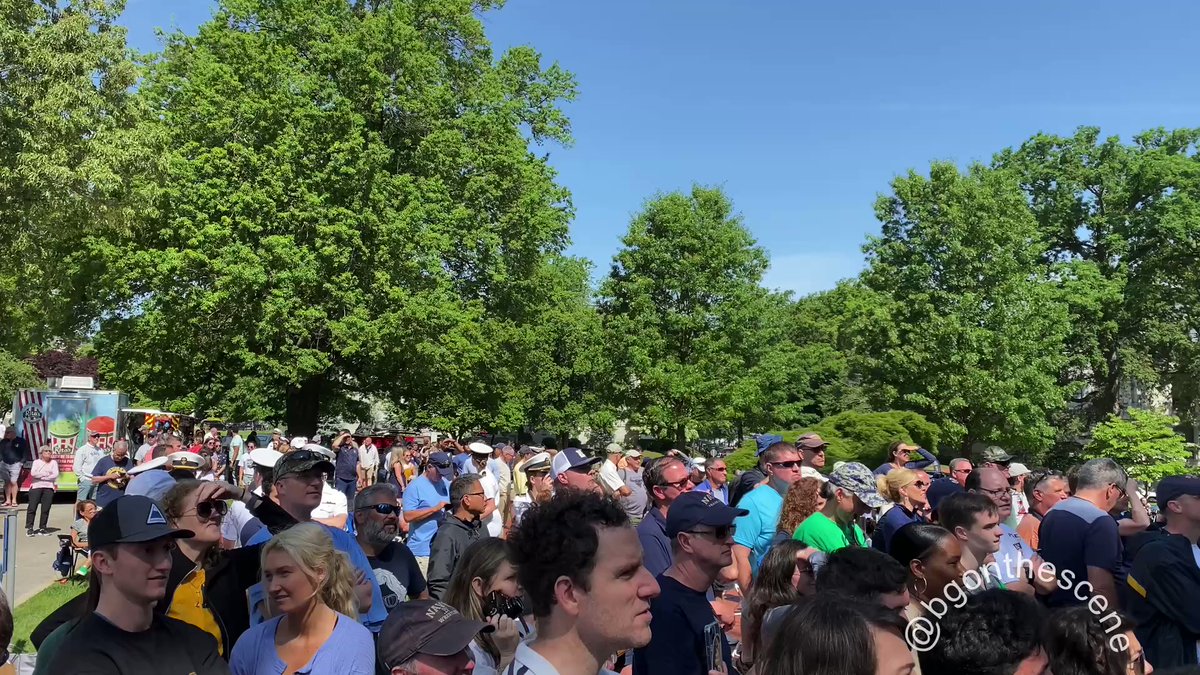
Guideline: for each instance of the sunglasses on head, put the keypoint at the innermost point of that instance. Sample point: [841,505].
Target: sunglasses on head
[382,509]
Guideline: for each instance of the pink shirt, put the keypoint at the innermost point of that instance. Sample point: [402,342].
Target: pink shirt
[43,474]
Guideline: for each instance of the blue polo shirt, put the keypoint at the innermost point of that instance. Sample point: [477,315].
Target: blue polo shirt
[656,545]
[424,494]
[1076,535]
[756,530]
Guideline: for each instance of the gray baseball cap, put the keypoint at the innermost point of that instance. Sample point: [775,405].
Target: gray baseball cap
[857,478]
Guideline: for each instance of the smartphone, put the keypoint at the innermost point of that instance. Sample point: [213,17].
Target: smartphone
[712,646]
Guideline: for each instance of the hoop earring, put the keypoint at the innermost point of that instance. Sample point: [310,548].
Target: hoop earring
[924,586]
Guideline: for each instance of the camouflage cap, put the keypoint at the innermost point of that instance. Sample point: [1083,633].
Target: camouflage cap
[858,479]
[997,454]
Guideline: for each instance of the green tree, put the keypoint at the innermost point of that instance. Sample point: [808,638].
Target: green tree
[1146,445]
[344,201]
[968,331]
[1121,230]
[15,374]
[682,308]
[65,78]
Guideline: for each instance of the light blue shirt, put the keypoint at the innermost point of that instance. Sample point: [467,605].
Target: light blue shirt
[756,530]
[346,543]
[721,493]
[424,494]
[350,650]
[464,464]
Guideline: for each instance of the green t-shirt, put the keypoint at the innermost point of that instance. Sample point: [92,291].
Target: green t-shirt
[821,533]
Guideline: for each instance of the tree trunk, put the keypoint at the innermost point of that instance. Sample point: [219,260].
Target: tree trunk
[680,437]
[304,407]
[741,435]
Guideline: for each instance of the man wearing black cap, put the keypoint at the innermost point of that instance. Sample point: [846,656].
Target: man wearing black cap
[427,637]
[683,627]
[131,546]
[1165,580]
[299,478]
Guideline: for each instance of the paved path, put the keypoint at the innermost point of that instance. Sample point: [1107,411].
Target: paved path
[35,555]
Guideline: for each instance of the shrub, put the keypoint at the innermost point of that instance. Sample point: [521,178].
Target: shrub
[854,437]
[1146,445]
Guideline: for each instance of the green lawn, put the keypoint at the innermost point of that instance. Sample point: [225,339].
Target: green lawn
[31,612]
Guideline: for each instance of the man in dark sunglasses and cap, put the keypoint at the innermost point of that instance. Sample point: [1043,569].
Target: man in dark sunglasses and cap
[299,478]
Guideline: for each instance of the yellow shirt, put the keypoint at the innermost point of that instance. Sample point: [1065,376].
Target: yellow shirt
[188,606]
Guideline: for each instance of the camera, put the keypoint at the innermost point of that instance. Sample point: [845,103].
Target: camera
[498,603]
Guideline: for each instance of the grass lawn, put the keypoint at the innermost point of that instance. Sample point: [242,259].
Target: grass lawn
[31,612]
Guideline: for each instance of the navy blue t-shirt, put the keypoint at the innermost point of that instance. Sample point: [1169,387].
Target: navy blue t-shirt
[678,618]
[105,493]
[346,466]
[1074,536]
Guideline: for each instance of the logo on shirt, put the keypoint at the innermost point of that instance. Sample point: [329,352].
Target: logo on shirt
[155,517]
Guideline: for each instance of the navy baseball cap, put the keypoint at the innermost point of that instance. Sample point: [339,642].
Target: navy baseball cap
[444,466]
[765,441]
[1174,487]
[699,508]
[940,489]
[131,519]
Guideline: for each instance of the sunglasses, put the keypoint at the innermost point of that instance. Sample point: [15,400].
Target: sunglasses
[721,532]
[382,509]
[717,468]
[921,484]
[679,484]
[206,509]
[793,464]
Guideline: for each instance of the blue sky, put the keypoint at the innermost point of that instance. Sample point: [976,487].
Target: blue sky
[804,111]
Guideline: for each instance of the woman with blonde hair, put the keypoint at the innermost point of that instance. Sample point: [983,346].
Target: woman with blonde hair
[804,498]
[310,585]
[484,587]
[905,489]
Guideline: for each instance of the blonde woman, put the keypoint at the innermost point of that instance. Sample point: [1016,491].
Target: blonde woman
[905,489]
[311,589]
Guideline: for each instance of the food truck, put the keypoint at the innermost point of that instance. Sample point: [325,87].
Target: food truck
[63,419]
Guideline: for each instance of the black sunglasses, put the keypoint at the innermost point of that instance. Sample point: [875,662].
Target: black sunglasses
[720,532]
[793,464]
[206,509]
[382,509]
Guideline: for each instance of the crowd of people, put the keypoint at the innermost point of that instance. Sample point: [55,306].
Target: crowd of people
[463,557]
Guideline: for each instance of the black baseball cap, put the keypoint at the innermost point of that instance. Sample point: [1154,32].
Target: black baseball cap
[131,519]
[299,461]
[699,508]
[425,627]
[1174,487]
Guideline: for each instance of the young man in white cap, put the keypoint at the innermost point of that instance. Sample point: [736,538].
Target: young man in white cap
[540,488]
[131,545]
[481,455]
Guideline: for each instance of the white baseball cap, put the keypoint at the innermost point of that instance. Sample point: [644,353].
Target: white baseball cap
[1017,469]
[265,456]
